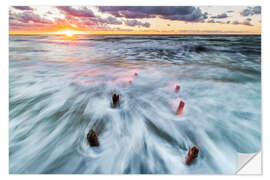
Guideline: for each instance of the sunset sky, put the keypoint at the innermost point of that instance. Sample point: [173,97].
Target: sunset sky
[135,19]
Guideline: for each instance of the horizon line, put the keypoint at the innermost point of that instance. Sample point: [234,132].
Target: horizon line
[155,34]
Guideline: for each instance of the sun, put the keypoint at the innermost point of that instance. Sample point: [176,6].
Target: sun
[69,33]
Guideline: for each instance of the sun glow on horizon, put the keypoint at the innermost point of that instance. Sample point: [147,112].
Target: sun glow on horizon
[68,33]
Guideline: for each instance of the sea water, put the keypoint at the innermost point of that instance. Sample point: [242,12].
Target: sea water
[60,88]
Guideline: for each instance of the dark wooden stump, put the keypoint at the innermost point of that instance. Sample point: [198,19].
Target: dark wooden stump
[92,138]
[192,155]
[115,100]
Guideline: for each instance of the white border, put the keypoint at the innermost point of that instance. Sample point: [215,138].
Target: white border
[4,78]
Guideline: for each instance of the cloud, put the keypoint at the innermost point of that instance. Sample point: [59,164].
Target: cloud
[23,8]
[137,23]
[81,12]
[28,17]
[220,22]
[230,11]
[130,12]
[84,17]
[235,22]
[257,10]
[107,28]
[250,11]
[80,17]
[246,23]
[212,31]
[220,16]
[26,26]
[213,21]
[182,13]
[109,20]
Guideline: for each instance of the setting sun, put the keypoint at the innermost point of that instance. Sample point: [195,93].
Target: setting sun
[69,33]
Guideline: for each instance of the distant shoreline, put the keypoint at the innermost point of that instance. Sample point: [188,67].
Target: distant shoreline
[138,34]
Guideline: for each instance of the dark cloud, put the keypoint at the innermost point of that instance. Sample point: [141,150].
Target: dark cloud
[23,8]
[250,11]
[81,12]
[213,21]
[257,10]
[107,28]
[246,12]
[182,13]
[246,23]
[137,23]
[95,22]
[220,22]
[235,22]
[220,16]
[84,17]
[109,20]
[230,11]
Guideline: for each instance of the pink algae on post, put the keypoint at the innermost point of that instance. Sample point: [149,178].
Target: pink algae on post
[177,88]
[180,108]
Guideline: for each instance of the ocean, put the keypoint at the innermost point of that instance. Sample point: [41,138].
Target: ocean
[60,88]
